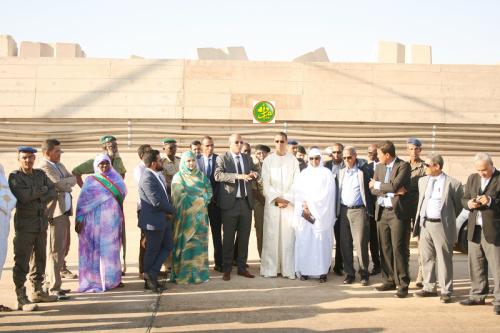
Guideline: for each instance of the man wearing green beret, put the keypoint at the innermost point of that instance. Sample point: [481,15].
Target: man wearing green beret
[169,161]
[110,147]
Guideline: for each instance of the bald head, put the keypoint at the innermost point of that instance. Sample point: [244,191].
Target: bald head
[235,143]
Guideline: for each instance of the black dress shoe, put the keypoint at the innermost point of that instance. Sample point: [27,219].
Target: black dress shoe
[349,279]
[152,284]
[496,309]
[385,287]
[322,278]
[364,282]
[376,271]
[304,277]
[419,285]
[146,287]
[445,299]
[401,293]
[425,293]
[470,302]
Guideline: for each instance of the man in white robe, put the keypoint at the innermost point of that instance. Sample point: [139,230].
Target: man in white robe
[279,172]
[314,202]
[7,204]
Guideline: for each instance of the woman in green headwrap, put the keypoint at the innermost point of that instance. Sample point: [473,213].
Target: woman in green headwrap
[191,194]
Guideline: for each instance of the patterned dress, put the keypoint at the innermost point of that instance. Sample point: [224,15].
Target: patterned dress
[99,210]
[191,194]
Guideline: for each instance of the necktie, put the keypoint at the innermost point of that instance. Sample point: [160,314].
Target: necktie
[387,174]
[428,194]
[241,182]
[60,172]
[209,168]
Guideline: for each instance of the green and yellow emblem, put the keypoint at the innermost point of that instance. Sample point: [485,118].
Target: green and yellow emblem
[264,112]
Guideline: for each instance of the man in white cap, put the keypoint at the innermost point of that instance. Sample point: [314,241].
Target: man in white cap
[314,218]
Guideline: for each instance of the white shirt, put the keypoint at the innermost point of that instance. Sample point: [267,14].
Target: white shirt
[435,200]
[479,218]
[138,172]
[238,193]
[385,201]
[207,160]
[67,196]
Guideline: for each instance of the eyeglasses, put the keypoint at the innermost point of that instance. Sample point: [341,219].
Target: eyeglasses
[279,141]
[238,142]
[347,158]
[317,158]
[337,152]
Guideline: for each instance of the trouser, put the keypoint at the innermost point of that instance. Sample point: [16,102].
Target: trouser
[338,265]
[236,220]
[58,239]
[374,247]
[67,246]
[435,247]
[354,228]
[142,251]
[214,216]
[258,216]
[483,256]
[29,248]
[392,234]
[158,245]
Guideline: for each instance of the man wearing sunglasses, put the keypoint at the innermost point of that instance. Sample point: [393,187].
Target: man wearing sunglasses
[390,183]
[235,172]
[439,202]
[335,165]
[279,171]
[355,203]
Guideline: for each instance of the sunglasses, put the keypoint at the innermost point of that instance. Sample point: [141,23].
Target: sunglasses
[279,141]
[238,142]
[347,158]
[427,165]
[314,158]
[337,152]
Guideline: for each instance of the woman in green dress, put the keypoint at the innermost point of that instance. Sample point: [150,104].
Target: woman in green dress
[191,194]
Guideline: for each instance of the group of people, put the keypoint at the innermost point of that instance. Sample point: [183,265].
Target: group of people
[301,204]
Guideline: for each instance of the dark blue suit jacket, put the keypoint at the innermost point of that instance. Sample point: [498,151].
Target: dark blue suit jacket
[154,203]
[200,162]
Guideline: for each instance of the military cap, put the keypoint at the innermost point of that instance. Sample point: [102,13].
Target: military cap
[292,142]
[26,149]
[107,138]
[414,141]
[168,140]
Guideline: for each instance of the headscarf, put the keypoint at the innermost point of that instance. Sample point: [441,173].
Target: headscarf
[183,164]
[7,199]
[314,152]
[98,160]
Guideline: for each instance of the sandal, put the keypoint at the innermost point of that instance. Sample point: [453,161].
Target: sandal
[322,278]
[304,277]
[5,309]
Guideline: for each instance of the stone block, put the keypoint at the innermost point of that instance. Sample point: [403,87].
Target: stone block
[211,53]
[236,53]
[391,53]
[318,55]
[68,50]
[35,50]
[8,46]
[421,54]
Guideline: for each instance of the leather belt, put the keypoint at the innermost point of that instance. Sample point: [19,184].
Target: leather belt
[432,220]
[353,207]
[387,208]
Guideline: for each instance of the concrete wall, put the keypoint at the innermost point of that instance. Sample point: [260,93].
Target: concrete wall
[201,89]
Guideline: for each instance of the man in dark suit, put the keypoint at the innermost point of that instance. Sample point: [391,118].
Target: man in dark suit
[482,199]
[390,183]
[155,218]
[374,247]
[206,163]
[234,171]
[336,164]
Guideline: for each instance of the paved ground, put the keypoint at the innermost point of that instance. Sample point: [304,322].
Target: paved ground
[240,305]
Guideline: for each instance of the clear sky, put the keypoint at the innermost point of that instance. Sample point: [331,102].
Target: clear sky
[459,31]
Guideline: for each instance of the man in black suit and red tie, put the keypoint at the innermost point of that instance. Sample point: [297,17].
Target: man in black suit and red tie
[390,184]
[482,199]
[206,163]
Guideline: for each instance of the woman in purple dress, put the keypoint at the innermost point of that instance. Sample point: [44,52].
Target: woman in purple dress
[99,223]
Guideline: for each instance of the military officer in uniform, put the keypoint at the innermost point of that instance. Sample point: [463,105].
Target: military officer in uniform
[169,161]
[33,191]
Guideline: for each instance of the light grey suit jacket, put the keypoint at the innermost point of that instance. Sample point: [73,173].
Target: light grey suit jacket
[452,205]
[63,183]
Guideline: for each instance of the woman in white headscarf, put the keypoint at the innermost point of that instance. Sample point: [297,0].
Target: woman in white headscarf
[314,219]
[7,204]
